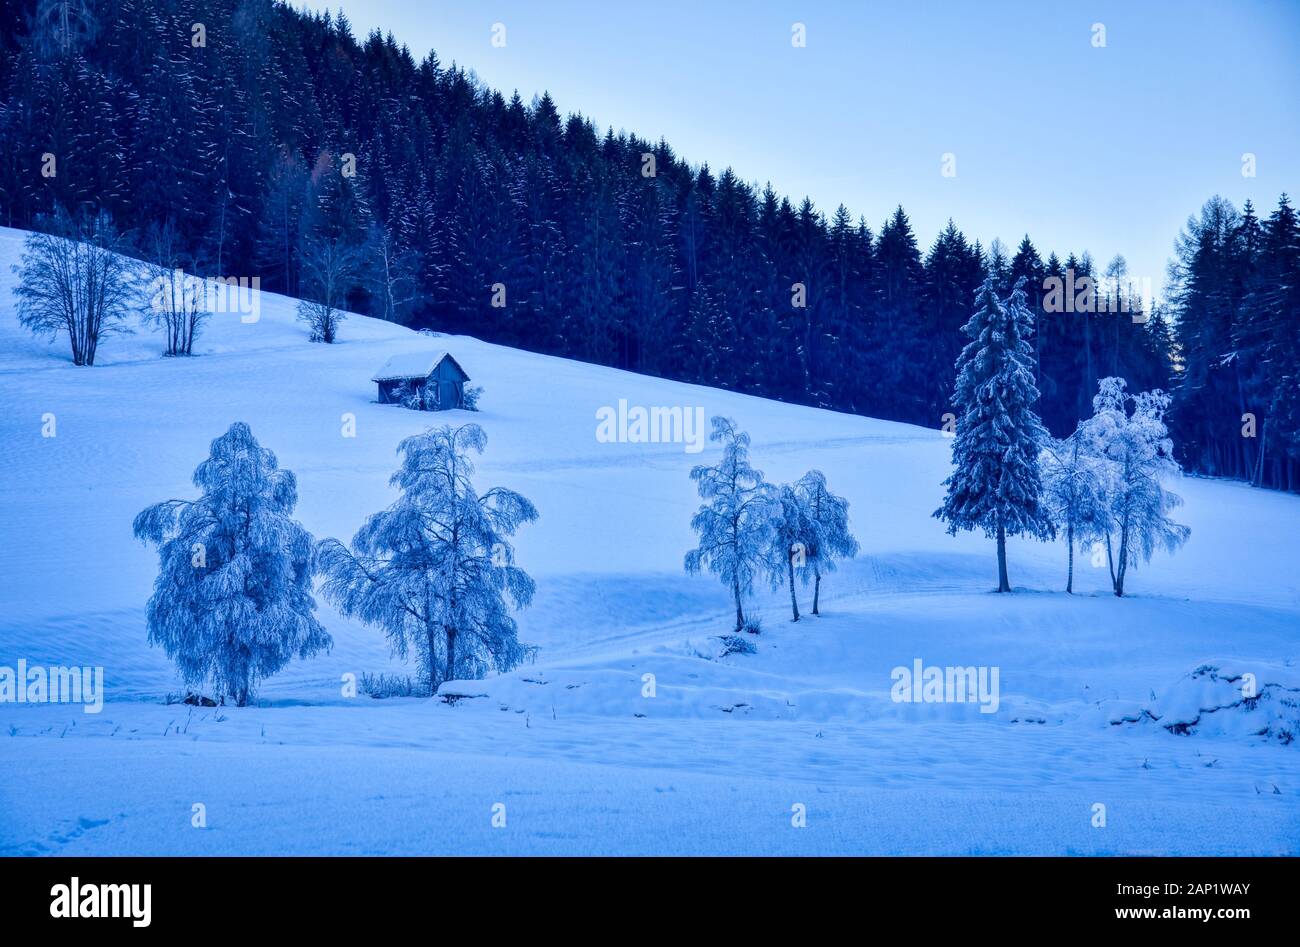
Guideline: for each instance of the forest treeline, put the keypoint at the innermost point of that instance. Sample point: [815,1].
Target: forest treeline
[278,145]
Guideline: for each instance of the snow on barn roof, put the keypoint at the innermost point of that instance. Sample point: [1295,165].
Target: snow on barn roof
[412,365]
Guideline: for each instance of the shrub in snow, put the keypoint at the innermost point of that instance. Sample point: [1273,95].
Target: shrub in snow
[380,686]
[752,626]
[1216,700]
[232,603]
[828,516]
[469,400]
[75,278]
[435,569]
[735,644]
[1076,489]
[996,485]
[1129,432]
[409,395]
[734,522]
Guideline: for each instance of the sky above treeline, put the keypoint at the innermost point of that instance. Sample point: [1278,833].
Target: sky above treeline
[1105,148]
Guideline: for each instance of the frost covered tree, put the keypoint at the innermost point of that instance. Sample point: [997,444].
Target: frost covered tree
[996,486]
[436,568]
[232,603]
[1129,432]
[829,518]
[734,520]
[75,279]
[1076,491]
[791,536]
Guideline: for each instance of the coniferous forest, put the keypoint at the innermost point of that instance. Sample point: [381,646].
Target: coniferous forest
[272,139]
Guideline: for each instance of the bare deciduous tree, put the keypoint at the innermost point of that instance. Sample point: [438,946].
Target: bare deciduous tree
[329,270]
[176,300]
[76,278]
[391,277]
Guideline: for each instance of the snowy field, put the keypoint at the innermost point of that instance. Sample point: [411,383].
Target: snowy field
[728,749]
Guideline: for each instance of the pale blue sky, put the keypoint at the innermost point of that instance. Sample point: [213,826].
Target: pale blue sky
[1100,149]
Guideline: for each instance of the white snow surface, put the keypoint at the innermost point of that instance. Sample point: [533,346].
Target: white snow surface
[417,363]
[728,749]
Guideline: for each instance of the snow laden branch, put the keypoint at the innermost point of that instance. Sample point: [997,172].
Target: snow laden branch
[436,569]
[232,602]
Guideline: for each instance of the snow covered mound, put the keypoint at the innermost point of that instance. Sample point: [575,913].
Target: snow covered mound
[1229,700]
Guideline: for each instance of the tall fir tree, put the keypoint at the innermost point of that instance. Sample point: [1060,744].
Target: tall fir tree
[996,486]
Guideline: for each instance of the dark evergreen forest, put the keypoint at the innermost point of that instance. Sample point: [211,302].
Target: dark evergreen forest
[276,139]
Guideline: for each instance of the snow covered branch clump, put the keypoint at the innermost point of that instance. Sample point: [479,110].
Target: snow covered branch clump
[232,603]
[1229,701]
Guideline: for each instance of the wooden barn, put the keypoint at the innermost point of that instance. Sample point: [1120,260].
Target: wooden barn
[435,378]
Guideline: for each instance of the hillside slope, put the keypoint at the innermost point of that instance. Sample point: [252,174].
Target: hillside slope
[717,758]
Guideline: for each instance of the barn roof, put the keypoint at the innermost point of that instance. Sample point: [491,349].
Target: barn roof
[405,365]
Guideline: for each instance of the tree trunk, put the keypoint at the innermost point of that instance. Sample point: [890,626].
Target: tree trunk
[1257,475]
[1004,585]
[1110,561]
[817,588]
[1123,561]
[1069,575]
[740,615]
[451,652]
[794,602]
[431,635]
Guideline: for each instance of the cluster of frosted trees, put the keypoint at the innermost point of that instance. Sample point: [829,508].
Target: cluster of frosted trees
[233,602]
[750,528]
[1103,486]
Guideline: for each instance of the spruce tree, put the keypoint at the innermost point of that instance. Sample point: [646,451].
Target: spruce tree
[996,485]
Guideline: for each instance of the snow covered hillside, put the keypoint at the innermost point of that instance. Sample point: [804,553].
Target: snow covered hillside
[729,751]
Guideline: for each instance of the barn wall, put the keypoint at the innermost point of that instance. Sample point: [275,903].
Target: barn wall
[451,385]
[448,383]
